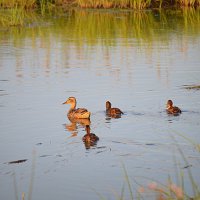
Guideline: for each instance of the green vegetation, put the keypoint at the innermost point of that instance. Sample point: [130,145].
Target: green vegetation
[132,4]
[46,5]
[14,12]
[12,17]
[192,87]
[90,26]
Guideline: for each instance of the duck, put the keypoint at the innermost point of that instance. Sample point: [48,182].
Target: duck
[113,112]
[89,138]
[77,113]
[172,109]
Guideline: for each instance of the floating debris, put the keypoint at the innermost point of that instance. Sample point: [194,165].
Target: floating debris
[43,156]
[39,143]
[192,87]
[150,144]
[17,161]
[187,166]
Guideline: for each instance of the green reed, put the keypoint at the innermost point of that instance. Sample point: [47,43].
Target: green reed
[25,4]
[17,12]
[92,25]
[46,7]
[49,5]
[134,4]
[12,17]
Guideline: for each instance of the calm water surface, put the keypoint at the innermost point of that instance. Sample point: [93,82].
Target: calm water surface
[137,61]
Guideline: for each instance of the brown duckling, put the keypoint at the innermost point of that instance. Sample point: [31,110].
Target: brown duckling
[113,112]
[172,109]
[89,138]
[79,113]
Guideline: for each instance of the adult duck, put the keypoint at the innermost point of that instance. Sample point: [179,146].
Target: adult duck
[112,112]
[79,113]
[172,109]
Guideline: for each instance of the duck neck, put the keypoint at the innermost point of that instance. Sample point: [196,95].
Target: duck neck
[88,129]
[72,106]
[169,107]
[108,107]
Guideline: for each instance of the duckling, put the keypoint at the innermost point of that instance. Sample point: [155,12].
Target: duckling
[79,113]
[89,138]
[113,112]
[172,109]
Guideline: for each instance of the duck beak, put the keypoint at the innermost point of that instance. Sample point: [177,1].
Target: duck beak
[65,102]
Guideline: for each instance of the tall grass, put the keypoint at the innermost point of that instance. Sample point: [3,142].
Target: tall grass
[48,5]
[23,4]
[12,17]
[133,4]
[170,190]
[16,12]
[188,3]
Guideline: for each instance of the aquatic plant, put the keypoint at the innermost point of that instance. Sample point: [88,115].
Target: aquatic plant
[192,87]
[12,17]
[24,4]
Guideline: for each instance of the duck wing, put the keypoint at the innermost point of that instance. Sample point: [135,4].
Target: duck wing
[81,110]
[116,111]
[177,110]
[80,113]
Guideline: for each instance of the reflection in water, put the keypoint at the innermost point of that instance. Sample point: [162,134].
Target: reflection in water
[73,126]
[89,139]
[86,29]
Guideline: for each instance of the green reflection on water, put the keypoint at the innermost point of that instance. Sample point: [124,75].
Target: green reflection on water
[92,27]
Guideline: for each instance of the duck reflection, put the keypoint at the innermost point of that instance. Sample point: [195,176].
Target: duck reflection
[74,125]
[89,139]
[112,112]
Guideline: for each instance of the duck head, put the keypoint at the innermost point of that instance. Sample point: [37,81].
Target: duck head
[169,104]
[70,100]
[108,105]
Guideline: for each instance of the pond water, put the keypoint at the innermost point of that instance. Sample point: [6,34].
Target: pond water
[137,60]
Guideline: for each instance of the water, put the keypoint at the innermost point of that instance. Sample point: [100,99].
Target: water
[137,61]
